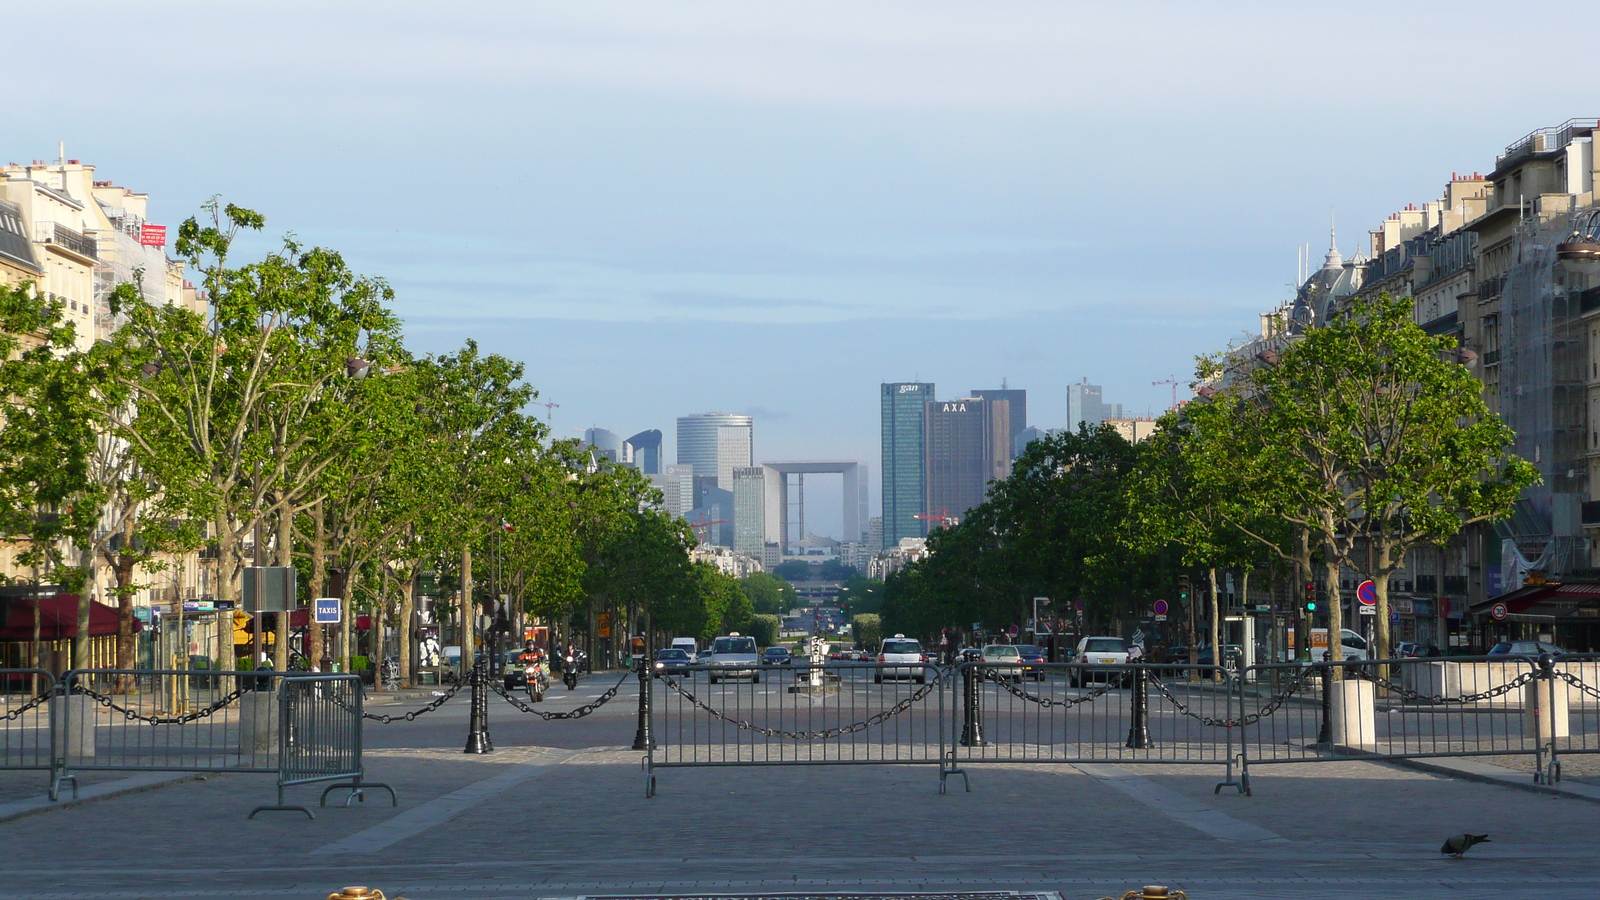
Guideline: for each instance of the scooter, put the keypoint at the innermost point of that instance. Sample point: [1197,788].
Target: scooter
[569,672]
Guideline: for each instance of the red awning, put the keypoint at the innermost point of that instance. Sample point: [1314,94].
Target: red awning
[58,618]
[299,618]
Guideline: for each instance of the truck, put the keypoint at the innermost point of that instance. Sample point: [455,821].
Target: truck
[687,644]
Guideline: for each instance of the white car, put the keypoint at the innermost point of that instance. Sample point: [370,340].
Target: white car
[906,658]
[1005,661]
[734,656]
[1098,651]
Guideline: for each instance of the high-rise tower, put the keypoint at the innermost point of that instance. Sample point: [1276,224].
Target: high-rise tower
[903,407]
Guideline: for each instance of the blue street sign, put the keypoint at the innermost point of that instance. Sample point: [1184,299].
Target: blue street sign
[326,610]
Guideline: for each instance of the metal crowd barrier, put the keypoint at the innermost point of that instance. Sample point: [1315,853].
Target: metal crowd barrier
[1071,713]
[1414,709]
[792,715]
[27,740]
[319,739]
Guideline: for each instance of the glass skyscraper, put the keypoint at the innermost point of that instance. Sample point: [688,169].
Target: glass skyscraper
[903,405]
[715,444]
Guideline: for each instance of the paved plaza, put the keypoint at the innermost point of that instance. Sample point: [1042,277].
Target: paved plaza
[559,811]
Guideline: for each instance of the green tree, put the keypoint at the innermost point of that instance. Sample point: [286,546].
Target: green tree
[867,629]
[49,500]
[765,629]
[769,594]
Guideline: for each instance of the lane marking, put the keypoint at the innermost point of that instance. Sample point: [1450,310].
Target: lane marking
[439,810]
[1178,807]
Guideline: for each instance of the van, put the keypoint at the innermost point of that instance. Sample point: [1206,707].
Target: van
[1355,646]
[687,644]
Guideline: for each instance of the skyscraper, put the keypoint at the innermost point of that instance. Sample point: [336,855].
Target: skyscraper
[646,451]
[677,489]
[968,445]
[606,443]
[1018,399]
[903,406]
[715,444]
[749,511]
[1084,404]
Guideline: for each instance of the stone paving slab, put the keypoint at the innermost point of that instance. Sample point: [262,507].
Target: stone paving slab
[583,828]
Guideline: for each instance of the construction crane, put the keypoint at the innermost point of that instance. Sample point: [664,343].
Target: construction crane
[706,525]
[547,408]
[1172,380]
[943,517]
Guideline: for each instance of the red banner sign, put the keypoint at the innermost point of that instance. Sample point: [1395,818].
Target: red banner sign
[153,235]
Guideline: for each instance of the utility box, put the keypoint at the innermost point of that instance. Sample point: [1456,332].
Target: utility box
[270,588]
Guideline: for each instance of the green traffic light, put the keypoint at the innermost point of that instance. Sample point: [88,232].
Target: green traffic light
[1311,606]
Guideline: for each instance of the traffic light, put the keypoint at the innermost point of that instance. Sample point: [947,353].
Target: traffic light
[1311,597]
[1183,588]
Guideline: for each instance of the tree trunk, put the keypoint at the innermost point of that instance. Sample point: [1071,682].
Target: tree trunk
[408,593]
[346,626]
[1379,649]
[315,640]
[378,617]
[1335,616]
[284,557]
[1249,654]
[1216,626]
[468,613]
[122,571]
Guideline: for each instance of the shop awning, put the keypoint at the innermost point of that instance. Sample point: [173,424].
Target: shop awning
[58,618]
[1576,603]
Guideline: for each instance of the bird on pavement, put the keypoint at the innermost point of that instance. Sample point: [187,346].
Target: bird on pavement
[1461,843]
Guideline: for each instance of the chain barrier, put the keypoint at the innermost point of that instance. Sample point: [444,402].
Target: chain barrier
[385,719]
[1408,694]
[578,713]
[134,716]
[1046,702]
[826,733]
[1578,683]
[1272,706]
[36,702]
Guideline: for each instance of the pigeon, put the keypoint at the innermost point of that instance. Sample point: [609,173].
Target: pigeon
[1461,843]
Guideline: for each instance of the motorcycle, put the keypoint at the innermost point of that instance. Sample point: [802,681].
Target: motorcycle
[538,682]
[569,672]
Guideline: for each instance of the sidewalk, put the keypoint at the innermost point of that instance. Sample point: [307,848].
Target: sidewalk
[533,821]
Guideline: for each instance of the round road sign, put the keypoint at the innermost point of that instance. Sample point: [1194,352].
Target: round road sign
[1161,607]
[1077,605]
[1498,611]
[1367,593]
[1013,629]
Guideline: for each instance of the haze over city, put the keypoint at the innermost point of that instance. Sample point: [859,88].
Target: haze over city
[770,209]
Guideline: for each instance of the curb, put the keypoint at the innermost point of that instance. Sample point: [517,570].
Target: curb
[1482,774]
[19,809]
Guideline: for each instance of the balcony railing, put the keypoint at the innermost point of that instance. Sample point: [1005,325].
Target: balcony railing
[62,236]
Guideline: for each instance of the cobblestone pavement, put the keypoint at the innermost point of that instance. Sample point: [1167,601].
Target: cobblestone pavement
[558,811]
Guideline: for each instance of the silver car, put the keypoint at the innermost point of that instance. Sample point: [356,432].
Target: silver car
[735,656]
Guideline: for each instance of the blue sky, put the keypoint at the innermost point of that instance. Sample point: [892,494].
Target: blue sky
[771,207]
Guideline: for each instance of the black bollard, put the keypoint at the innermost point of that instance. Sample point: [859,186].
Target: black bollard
[1138,731]
[1325,734]
[642,738]
[972,706]
[478,727]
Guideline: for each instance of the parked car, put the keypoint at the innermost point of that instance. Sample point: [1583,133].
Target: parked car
[776,656]
[1033,661]
[1005,660]
[1524,648]
[902,657]
[671,661]
[1232,656]
[703,657]
[734,656]
[1405,649]
[1099,651]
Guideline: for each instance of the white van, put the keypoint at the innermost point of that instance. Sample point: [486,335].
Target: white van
[1355,646]
[687,645]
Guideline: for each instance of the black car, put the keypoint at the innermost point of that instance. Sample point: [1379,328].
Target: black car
[1032,661]
[671,661]
[776,656]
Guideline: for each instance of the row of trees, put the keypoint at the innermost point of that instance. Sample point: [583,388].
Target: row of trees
[1347,447]
[290,421]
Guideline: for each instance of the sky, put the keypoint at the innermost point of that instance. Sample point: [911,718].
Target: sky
[770,208]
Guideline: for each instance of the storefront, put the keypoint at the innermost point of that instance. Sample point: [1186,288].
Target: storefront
[1567,615]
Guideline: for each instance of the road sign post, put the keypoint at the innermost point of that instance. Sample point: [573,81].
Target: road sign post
[325,610]
[1367,598]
